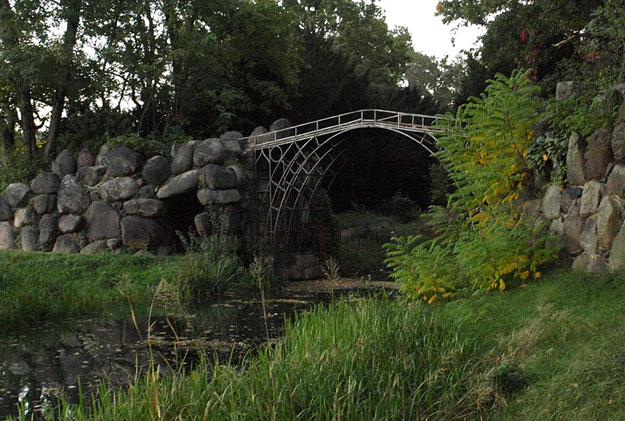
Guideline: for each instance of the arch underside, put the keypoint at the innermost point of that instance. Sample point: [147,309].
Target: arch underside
[290,174]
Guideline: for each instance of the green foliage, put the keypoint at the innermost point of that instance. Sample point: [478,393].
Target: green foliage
[401,207]
[375,359]
[547,155]
[574,114]
[149,146]
[605,47]
[364,234]
[16,167]
[484,150]
[210,264]
[440,184]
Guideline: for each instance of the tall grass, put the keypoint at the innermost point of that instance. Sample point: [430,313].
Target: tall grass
[46,287]
[369,360]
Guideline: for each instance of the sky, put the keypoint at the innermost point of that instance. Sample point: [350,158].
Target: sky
[429,35]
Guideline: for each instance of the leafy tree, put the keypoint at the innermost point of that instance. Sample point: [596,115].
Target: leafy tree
[541,35]
[482,240]
[439,77]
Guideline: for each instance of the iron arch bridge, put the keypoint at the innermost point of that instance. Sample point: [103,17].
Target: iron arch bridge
[291,165]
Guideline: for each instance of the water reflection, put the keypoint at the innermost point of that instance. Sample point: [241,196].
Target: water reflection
[40,365]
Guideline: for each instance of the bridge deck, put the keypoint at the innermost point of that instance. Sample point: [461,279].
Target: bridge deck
[362,119]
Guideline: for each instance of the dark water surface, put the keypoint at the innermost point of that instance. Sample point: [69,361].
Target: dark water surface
[42,364]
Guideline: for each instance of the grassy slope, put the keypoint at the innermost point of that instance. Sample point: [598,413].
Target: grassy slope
[39,287]
[552,350]
[565,335]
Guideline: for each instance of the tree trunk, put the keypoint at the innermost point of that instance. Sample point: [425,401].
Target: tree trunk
[10,41]
[65,76]
[25,105]
[8,129]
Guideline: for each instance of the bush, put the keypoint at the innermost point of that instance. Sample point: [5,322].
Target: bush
[481,240]
[18,168]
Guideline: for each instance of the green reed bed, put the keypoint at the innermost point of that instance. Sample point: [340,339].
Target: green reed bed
[45,287]
[375,359]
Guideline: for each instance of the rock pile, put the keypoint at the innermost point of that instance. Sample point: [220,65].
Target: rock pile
[116,199]
[589,213]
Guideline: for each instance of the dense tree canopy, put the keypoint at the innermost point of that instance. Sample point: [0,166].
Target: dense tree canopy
[172,67]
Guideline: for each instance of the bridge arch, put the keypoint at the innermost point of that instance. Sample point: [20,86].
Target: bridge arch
[292,164]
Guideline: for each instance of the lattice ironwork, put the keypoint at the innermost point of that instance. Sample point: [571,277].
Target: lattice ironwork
[293,163]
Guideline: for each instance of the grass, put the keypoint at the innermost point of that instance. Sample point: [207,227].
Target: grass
[46,287]
[551,350]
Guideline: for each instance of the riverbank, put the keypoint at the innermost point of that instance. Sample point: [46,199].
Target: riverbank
[552,349]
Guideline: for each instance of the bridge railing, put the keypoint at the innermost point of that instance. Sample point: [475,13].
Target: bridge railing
[372,116]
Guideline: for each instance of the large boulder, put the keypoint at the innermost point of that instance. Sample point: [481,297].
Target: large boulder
[618,135]
[48,229]
[85,158]
[156,170]
[565,90]
[616,181]
[71,223]
[532,208]
[573,224]
[218,178]
[102,160]
[91,176]
[17,194]
[617,252]
[145,207]
[552,202]
[618,141]
[6,213]
[95,247]
[7,239]
[29,237]
[209,151]
[203,224]
[183,158]
[64,164]
[147,192]
[123,161]
[44,203]
[66,244]
[281,126]
[569,194]
[141,233]
[609,221]
[180,184]
[103,222]
[23,217]
[232,149]
[232,219]
[588,237]
[598,154]
[575,161]
[218,197]
[120,188]
[72,196]
[591,197]
[45,183]
[258,136]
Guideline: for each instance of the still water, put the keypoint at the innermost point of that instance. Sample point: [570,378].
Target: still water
[70,358]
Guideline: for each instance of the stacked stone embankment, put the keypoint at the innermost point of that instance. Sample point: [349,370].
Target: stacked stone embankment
[117,199]
[589,213]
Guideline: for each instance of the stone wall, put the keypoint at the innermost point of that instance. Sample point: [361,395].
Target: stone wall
[589,213]
[89,204]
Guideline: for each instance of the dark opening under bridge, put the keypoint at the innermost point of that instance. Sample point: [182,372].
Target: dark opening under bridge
[292,163]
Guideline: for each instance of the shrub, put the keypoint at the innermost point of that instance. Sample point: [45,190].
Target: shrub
[18,168]
[481,239]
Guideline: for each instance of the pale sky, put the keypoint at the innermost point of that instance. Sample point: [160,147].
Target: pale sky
[429,35]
